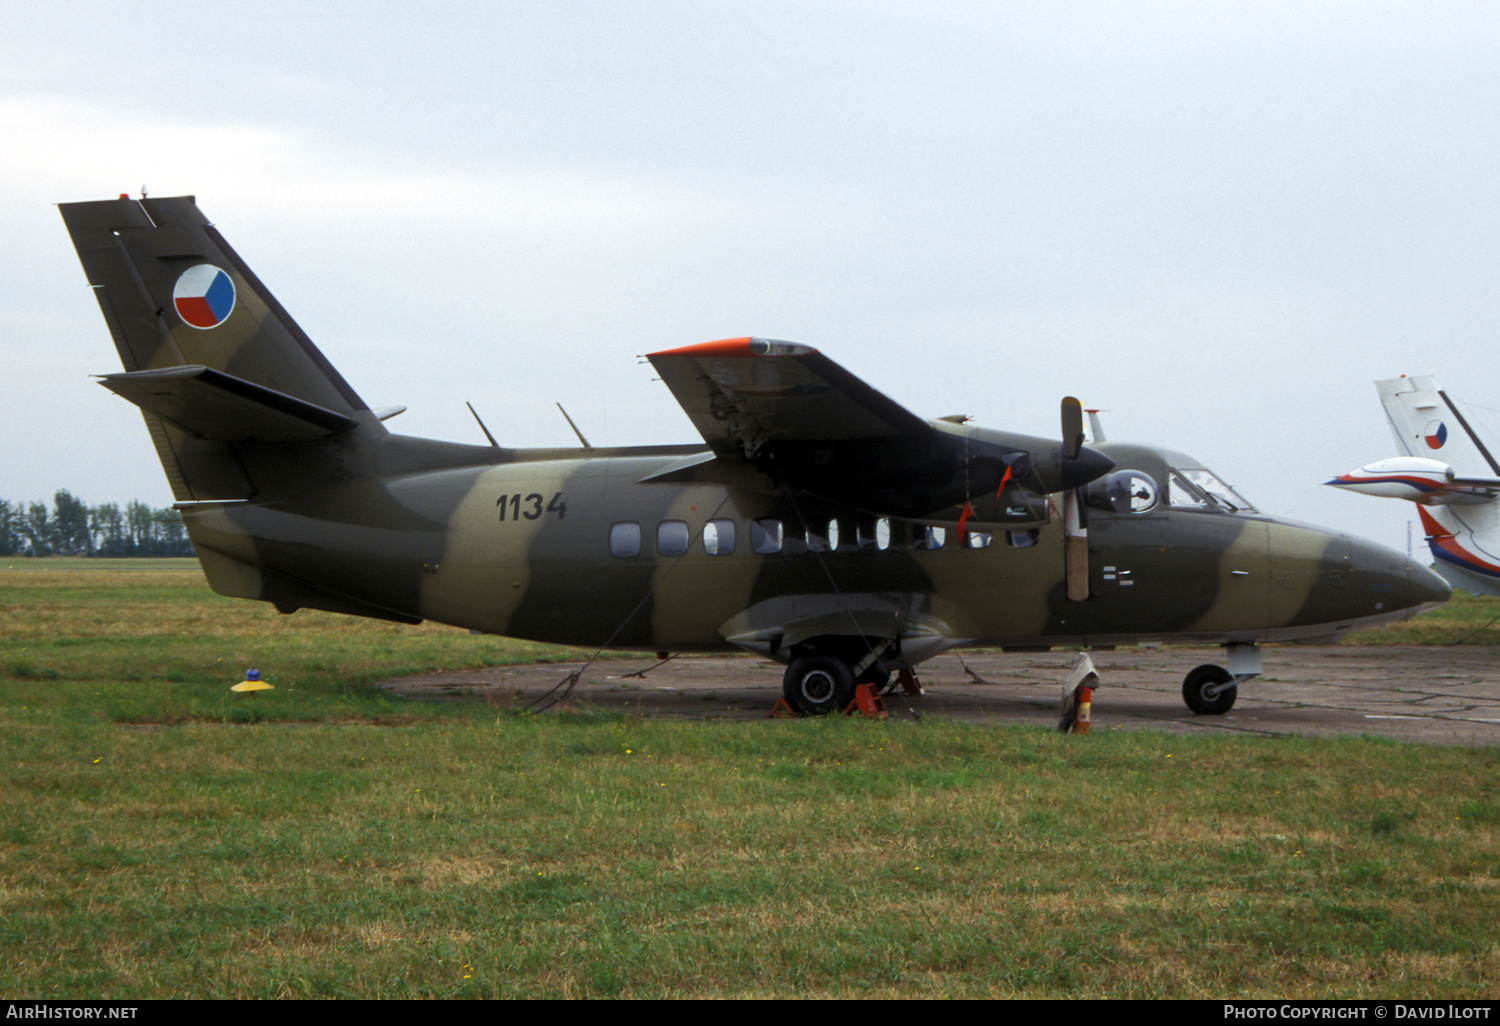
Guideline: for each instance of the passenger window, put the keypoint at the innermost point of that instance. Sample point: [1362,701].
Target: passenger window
[931,537]
[765,536]
[979,540]
[873,534]
[625,539]
[672,537]
[824,537]
[1021,539]
[718,537]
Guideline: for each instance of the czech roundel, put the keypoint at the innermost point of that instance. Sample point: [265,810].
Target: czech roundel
[1435,434]
[204,296]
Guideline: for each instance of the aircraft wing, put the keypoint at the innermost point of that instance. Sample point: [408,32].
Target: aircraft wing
[804,420]
[741,393]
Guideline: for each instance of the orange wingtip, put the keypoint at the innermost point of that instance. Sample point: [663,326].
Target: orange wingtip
[723,347]
[739,347]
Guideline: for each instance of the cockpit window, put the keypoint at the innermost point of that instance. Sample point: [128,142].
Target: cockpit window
[1184,495]
[1218,491]
[1200,489]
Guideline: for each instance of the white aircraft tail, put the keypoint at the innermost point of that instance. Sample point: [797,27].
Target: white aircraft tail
[1428,424]
[1462,518]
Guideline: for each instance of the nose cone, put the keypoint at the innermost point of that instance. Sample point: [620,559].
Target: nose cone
[1432,588]
[1394,580]
[1365,585]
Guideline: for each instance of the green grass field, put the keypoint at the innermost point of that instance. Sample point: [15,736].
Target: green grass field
[161,837]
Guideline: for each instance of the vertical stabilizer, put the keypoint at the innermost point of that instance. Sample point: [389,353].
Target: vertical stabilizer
[1464,539]
[1428,424]
[216,364]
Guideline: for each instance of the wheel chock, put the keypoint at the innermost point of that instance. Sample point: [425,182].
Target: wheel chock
[867,701]
[907,678]
[781,708]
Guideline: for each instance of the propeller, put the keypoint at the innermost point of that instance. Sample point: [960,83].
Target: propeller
[1075,517]
[1030,476]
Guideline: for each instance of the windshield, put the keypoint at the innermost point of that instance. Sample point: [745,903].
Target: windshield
[1200,489]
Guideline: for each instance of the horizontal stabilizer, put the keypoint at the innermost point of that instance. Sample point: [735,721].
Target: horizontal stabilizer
[224,408]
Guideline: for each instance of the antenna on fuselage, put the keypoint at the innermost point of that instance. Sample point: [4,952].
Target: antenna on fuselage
[581,439]
[493,444]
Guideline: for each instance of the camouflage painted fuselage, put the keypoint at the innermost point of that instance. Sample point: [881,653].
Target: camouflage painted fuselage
[448,545]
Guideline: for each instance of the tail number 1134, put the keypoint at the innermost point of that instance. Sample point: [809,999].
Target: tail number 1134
[529,507]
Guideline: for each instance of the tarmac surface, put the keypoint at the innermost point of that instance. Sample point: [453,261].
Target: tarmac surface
[1423,694]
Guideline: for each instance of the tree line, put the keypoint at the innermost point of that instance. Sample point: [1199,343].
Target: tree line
[70,527]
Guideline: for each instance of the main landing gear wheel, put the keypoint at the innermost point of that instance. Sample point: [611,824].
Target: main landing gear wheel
[817,685]
[1210,690]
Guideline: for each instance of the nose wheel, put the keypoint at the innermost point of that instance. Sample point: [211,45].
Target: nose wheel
[1210,690]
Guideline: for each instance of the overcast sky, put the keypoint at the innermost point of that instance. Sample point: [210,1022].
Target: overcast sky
[1219,222]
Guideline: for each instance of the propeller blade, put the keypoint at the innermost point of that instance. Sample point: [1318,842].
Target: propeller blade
[1075,546]
[1075,523]
[1072,427]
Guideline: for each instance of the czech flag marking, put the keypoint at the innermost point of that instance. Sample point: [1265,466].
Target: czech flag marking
[204,296]
[1435,435]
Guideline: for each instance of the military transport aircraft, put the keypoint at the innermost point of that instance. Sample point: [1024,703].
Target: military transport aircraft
[822,524]
[1460,514]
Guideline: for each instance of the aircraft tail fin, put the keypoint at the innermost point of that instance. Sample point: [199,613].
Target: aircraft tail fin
[1463,532]
[216,364]
[1428,424]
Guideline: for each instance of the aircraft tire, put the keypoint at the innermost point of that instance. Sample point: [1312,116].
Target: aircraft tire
[816,685]
[1199,679]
